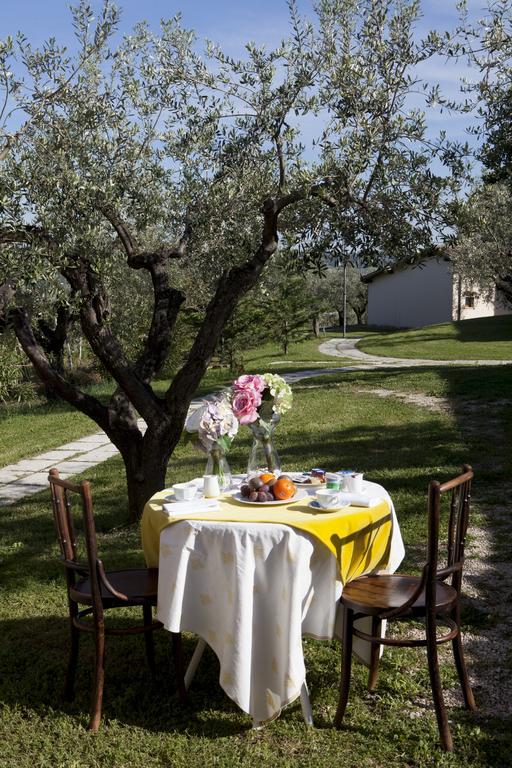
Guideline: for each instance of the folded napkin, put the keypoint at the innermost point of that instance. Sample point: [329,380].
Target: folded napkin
[190,507]
[358,499]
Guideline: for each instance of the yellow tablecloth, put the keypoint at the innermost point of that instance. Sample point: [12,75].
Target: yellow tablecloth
[358,537]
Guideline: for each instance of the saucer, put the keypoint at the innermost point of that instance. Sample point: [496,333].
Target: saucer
[315,505]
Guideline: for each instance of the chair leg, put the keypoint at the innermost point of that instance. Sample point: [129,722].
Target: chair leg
[374,654]
[462,671]
[179,667]
[99,678]
[346,667]
[435,682]
[148,638]
[69,683]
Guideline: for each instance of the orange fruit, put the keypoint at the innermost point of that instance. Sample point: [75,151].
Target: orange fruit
[283,488]
[266,476]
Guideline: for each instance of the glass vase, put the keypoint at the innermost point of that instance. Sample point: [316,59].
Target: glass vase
[263,456]
[217,464]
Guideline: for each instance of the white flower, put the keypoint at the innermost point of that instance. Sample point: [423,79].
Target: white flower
[280,391]
[213,420]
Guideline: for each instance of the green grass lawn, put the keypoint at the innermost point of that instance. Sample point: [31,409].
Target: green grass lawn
[487,338]
[27,430]
[336,422]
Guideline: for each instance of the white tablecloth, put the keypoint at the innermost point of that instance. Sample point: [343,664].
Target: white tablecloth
[251,591]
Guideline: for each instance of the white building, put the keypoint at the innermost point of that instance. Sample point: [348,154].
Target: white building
[410,296]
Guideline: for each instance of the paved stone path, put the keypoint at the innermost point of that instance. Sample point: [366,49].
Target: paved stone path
[30,476]
[347,348]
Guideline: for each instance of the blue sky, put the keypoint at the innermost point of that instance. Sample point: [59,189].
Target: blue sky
[231,23]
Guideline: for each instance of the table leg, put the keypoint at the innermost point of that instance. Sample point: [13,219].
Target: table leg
[307,712]
[194,662]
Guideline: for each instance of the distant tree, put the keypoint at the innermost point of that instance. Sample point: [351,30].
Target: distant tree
[247,328]
[357,294]
[319,298]
[496,153]
[152,157]
[328,287]
[287,303]
[482,254]
[490,50]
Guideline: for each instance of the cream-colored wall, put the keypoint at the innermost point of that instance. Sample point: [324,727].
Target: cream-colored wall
[482,307]
[412,297]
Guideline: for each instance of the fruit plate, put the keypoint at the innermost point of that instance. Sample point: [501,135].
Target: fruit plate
[298,496]
[301,479]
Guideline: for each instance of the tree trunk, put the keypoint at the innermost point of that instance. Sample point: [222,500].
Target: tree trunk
[316,326]
[340,317]
[359,314]
[57,359]
[142,482]
[145,460]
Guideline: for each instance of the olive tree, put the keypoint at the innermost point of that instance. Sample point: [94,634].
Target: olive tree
[482,253]
[483,237]
[151,155]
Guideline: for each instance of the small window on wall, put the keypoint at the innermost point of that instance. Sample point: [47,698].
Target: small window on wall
[469,300]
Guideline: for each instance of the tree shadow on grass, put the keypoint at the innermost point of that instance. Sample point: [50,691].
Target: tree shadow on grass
[34,659]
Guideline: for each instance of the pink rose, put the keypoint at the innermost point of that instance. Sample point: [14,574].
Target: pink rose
[245,405]
[248,382]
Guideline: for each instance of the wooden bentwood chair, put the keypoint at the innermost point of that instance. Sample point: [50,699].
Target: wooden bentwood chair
[90,585]
[425,597]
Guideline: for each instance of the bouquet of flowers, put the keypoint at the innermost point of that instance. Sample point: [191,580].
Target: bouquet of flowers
[259,402]
[259,397]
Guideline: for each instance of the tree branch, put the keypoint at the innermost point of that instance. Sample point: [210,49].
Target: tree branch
[121,229]
[93,313]
[52,340]
[280,158]
[233,284]
[141,259]
[18,319]
[27,234]
[167,303]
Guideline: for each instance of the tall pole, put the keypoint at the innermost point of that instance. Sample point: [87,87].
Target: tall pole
[344,298]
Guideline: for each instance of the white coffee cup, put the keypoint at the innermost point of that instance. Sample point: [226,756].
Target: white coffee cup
[184,491]
[211,488]
[355,482]
[327,497]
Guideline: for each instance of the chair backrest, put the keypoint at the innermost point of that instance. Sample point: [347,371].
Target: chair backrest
[61,491]
[459,489]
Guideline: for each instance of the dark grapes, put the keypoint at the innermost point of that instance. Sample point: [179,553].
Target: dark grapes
[245,491]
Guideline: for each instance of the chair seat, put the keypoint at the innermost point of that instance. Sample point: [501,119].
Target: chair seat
[373,595]
[136,584]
